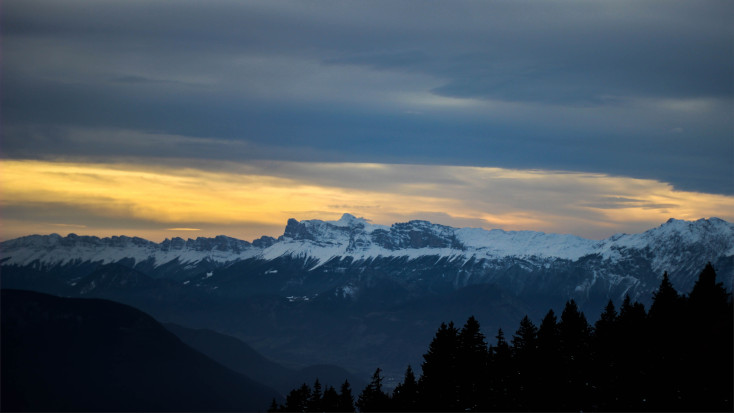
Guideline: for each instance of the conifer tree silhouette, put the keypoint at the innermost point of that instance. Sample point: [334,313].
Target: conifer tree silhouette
[297,400]
[346,399]
[405,395]
[438,383]
[330,400]
[605,359]
[667,304]
[709,341]
[500,371]
[472,363]
[548,365]
[524,383]
[574,334]
[666,349]
[314,402]
[633,356]
[372,398]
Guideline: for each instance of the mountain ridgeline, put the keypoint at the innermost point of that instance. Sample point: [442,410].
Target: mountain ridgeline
[357,295]
[523,262]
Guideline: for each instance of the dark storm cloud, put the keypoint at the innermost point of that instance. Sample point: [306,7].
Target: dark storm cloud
[642,89]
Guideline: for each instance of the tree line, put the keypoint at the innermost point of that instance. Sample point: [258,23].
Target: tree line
[676,356]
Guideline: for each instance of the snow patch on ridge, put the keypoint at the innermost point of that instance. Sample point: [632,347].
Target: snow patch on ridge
[499,243]
[350,221]
[357,238]
[56,250]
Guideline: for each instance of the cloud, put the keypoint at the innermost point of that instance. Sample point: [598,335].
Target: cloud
[242,200]
[67,225]
[616,202]
[548,53]
[581,86]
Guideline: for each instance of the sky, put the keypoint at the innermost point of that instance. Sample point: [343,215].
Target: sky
[189,118]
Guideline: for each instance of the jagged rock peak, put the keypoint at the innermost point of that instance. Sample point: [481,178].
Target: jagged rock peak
[701,221]
[349,220]
[316,229]
[56,240]
[220,243]
[709,226]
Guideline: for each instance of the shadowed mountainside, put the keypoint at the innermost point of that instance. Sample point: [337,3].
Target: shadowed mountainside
[240,357]
[68,354]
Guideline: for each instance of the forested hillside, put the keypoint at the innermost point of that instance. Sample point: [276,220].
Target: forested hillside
[676,356]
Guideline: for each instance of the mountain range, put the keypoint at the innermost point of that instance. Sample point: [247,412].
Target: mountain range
[360,295]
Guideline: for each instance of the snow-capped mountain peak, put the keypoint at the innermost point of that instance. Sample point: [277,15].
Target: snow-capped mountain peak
[663,248]
[350,221]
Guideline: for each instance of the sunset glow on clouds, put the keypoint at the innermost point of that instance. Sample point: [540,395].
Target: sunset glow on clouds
[160,119]
[250,201]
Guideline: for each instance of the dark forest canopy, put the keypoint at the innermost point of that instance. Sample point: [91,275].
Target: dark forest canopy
[675,357]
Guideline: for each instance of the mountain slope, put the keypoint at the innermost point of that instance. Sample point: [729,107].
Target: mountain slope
[240,357]
[359,295]
[64,354]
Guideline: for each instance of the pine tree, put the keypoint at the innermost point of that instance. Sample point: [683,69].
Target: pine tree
[524,383]
[346,400]
[471,366]
[500,370]
[574,330]
[667,304]
[548,365]
[604,326]
[574,334]
[314,402]
[632,328]
[372,398]
[405,395]
[709,345]
[548,333]
[605,359]
[632,315]
[330,400]
[525,339]
[297,400]
[666,350]
[438,383]
[274,407]
[708,298]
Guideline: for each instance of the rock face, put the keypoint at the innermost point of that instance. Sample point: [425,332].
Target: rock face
[613,267]
[335,291]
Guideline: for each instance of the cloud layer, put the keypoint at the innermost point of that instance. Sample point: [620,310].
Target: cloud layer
[638,89]
[257,199]
[158,118]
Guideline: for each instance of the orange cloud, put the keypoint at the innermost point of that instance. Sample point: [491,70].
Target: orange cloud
[234,197]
